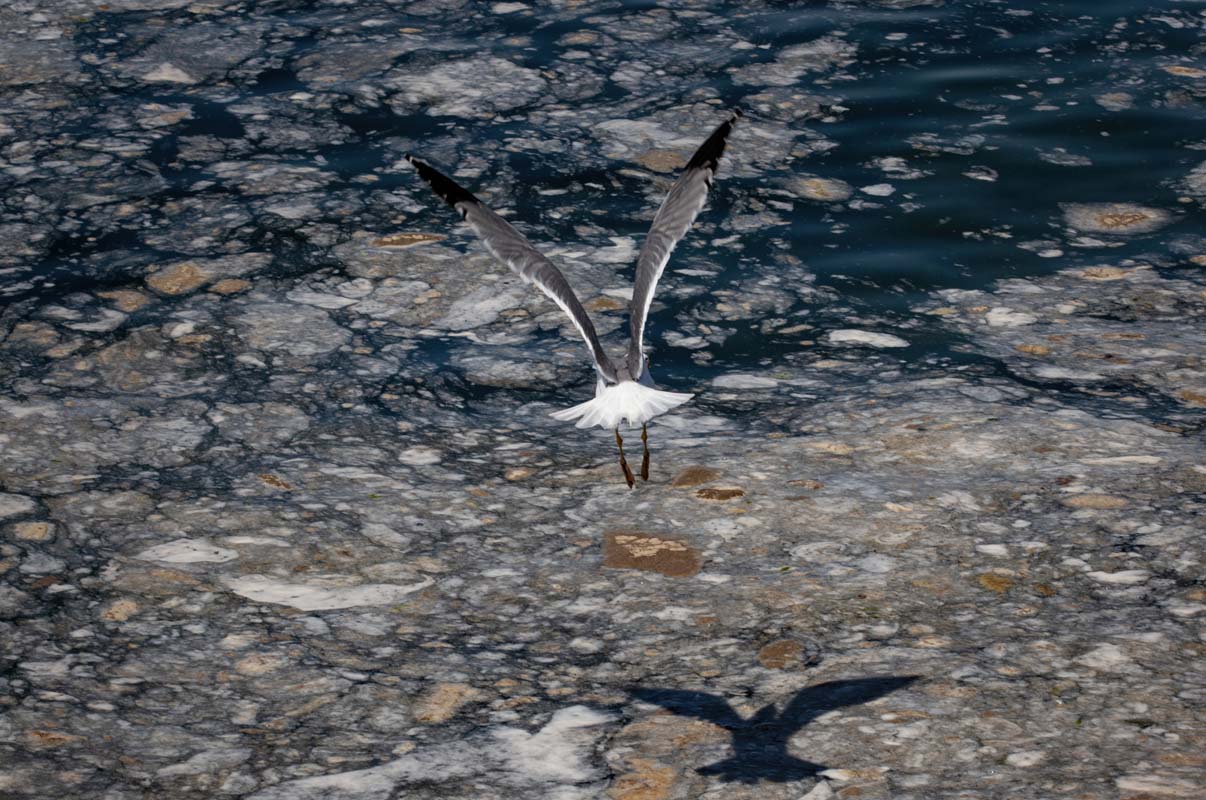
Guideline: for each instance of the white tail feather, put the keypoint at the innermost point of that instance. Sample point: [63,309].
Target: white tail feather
[627,401]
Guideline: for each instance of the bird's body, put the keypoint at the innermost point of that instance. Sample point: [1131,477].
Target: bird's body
[630,402]
[624,392]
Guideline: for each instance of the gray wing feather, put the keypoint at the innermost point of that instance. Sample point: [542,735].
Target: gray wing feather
[511,248]
[673,219]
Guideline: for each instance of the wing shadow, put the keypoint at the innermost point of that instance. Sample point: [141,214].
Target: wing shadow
[760,742]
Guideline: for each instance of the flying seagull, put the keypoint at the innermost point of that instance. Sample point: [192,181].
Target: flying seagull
[624,391]
[760,742]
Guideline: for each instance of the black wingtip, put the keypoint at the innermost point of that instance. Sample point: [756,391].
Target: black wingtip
[709,153]
[449,190]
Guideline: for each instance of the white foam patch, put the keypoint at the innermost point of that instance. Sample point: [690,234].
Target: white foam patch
[550,763]
[622,251]
[187,551]
[1122,460]
[317,596]
[318,298]
[869,338]
[12,505]
[1106,657]
[376,783]
[695,424]
[480,307]
[208,761]
[420,456]
[554,753]
[1061,374]
[880,189]
[1002,317]
[1124,577]
[470,87]
[742,381]
[263,541]
[168,73]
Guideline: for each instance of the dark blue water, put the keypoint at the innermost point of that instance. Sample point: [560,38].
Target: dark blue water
[991,117]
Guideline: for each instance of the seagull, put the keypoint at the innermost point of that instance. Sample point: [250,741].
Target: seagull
[624,389]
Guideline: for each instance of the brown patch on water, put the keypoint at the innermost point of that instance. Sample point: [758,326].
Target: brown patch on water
[400,240]
[668,556]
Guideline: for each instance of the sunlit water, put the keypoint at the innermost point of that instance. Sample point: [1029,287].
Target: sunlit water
[962,131]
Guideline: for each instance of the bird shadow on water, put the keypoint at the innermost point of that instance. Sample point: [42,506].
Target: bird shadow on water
[760,742]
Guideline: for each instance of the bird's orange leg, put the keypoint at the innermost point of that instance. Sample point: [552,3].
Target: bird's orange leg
[645,458]
[628,476]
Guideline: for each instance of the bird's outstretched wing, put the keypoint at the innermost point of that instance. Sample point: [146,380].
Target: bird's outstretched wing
[813,701]
[700,705]
[511,248]
[678,211]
